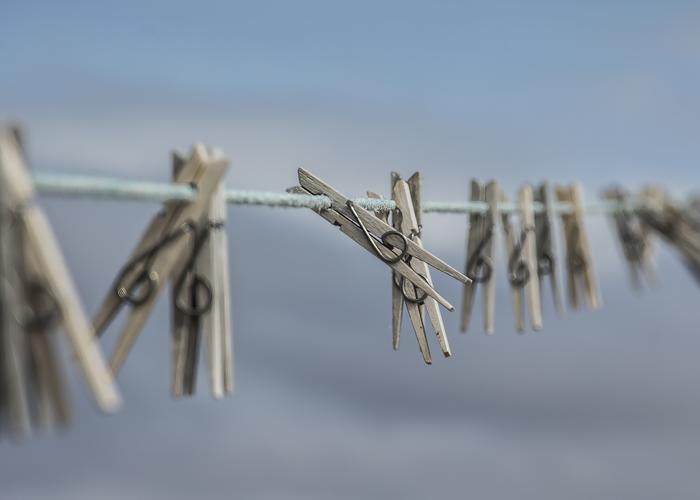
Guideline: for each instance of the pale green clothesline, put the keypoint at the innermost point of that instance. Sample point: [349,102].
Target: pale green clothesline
[113,188]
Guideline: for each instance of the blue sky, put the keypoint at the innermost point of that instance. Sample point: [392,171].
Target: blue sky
[597,405]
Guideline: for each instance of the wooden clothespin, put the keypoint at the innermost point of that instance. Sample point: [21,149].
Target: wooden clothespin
[547,261]
[36,294]
[404,255]
[678,224]
[480,255]
[579,261]
[209,262]
[634,238]
[521,256]
[529,255]
[407,219]
[165,248]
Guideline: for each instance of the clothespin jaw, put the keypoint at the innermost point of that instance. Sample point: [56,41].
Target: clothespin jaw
[480,254]
[579,260]
[37,243]
[633,236]
[164,248]
[376,236]
[547,261]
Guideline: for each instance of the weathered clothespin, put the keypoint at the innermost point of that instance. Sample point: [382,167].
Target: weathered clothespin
[521,256]
[547,261]
[634,237]
[166,247]
[579,261]
[37,294]
[208,315]
[678,224]
[407,219]
[403,254]
[480,254]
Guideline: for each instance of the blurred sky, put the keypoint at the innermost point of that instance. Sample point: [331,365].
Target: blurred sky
[597,405]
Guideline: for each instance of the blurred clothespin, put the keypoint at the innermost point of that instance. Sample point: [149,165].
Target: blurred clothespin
[197,314]
[579,261]
[634,237]
[480,254]
[404,254]
[407,219]
[547,261]
[678,224]
[36,295]
[166,248]
[521,256]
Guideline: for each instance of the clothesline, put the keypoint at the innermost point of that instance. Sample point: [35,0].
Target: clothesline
[114,188]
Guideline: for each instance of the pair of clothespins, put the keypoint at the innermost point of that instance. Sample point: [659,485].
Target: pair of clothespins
[635,238]
[521,256]
[37,295]
[184,244]
[399,246]
[407,218]
[677,224]
[530,252]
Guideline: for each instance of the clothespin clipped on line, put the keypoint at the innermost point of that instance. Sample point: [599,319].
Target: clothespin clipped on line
[547,258]
[521,256]
[635,239]
[480,255]
[194,315]
[36,295]
[579,261]
[678,225]
[171,250]
[407,220]
[399,247]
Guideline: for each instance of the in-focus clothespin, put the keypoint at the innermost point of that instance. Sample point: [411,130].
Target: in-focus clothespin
[208,262]
[634,237]
[166,246]
[401,253]
[547,261]
[480,254]
[406,219]
[37,294]
[579,260]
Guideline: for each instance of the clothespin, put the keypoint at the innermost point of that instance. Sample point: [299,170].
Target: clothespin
[403,254]
[36,294]
[407,219]
[166,247]
[480,254]
[521,256]
[208,262]
[529,255]
[579,261]
[678,224]
[634,237]
[547,262]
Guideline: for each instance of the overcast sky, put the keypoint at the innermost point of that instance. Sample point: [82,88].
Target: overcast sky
[597,405]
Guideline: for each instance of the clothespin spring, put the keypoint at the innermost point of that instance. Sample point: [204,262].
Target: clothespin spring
[140,289]
[479,266]
[518,272]
[194,306]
